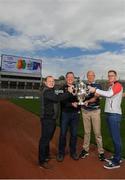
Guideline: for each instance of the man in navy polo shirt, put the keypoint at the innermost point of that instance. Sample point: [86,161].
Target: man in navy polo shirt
[91,115]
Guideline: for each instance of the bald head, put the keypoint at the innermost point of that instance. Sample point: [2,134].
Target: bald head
[91,76]
[90,73]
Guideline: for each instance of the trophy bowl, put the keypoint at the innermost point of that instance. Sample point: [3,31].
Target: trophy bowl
[81,91]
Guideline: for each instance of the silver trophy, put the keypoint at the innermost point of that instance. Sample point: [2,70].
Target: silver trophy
[81,91]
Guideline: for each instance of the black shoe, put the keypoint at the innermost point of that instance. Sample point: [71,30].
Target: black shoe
[44,165]
[83,154]
[111,165]
[60,157]
[49,158]
[74,156]
[101,157]
[111,158]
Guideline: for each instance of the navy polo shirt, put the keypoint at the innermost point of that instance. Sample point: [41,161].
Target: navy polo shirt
[95,105]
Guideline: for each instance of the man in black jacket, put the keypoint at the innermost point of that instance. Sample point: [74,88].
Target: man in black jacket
[69,119]
[49,99]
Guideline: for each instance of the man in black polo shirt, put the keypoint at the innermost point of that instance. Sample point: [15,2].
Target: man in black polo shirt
[69,119]
[91,114]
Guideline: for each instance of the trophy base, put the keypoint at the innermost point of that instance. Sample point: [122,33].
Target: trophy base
[80,103]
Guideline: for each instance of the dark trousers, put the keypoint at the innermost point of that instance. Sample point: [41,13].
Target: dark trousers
[47,131]
[68,120]
[113,121]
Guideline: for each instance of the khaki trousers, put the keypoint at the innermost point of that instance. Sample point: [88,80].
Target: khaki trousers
[92,117]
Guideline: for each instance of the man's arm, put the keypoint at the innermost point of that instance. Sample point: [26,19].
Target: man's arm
[91,100]
[57,98]
[116,88]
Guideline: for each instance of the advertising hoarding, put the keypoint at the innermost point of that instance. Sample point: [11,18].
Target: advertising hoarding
[21,65]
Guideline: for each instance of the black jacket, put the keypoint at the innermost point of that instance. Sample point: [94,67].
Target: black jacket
[66,104]
[49,102]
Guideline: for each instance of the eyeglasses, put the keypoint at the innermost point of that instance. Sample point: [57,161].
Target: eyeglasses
[111,76]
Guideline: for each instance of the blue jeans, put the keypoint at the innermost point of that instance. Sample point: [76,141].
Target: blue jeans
[68,120]
[113,121]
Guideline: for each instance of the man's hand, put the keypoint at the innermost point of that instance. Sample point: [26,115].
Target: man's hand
[70,88]
[86,103]
[97,95]
[91,89]
[74,104]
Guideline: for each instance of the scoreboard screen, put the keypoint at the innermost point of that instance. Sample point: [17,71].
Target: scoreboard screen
[21,65]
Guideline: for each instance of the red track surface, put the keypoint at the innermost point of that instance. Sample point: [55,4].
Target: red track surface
[19,136]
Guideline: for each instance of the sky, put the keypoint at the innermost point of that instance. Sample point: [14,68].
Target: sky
[68,35]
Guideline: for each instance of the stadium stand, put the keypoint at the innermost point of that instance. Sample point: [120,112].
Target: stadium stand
[19,86]
[16,85]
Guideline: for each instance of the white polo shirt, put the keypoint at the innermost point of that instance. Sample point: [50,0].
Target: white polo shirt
[113,98]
